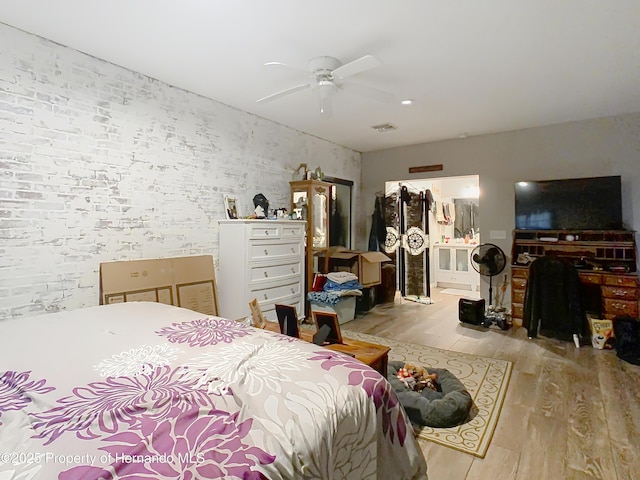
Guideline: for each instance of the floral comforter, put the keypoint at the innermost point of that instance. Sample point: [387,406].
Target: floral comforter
[150,391]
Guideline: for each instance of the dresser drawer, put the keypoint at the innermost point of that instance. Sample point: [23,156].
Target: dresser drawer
[517,313]
[620,292]
[517,296]
[276,293]
[614,307]
[519,272]
[261,273]
[591,278]
[621,280]
[518,283]
[264,251]
[265,231]
[296,230]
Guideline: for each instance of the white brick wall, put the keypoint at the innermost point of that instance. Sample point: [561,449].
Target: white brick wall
[98,163]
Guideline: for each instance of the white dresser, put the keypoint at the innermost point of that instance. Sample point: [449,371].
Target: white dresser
[262,259]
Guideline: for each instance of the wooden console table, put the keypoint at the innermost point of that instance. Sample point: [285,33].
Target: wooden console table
[606,263]
[372,354]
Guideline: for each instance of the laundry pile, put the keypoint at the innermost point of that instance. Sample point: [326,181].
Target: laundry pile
[332,287]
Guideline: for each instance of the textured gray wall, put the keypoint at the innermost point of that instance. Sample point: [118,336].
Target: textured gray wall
[607,146]
[99,163]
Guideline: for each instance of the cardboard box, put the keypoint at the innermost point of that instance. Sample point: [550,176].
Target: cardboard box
[366,265]
[187,282]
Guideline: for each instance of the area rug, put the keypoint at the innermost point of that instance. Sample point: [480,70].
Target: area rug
[461,293]
[486,379]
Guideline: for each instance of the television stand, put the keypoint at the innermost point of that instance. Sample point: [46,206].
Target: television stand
[606,263]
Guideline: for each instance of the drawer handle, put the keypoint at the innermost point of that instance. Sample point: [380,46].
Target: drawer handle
[620,293]
[266,252]
[266,232]
[293,250]
[293,270]
[266,275]
[293,290]
[265,297]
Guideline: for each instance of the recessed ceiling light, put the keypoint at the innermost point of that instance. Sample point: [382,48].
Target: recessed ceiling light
[407,102]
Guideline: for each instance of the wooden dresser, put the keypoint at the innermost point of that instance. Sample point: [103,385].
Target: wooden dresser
[262,259]
[606,263]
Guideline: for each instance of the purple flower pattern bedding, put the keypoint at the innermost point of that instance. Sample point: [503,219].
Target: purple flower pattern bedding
[150,391]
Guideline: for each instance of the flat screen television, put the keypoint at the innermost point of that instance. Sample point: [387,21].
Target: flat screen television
[593,203]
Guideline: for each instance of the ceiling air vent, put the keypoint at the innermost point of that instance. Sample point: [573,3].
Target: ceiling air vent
[384,127]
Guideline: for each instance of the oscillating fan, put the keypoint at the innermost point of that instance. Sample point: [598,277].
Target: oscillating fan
[488,260]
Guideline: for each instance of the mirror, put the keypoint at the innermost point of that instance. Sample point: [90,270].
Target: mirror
[319,220]
[300,202]
[340,212]
[467,220]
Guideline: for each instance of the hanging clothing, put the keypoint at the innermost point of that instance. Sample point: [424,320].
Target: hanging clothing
[552,300]
[440,213]
[378,227]
[407,241]
[429,201]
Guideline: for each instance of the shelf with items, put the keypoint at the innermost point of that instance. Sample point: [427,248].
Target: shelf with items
[613,251]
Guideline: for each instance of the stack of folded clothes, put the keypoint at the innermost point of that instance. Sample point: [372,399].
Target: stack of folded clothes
[334,286]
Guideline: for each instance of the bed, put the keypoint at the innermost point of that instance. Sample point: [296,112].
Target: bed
[149,391]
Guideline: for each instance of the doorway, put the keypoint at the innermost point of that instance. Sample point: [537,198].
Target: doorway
[452,230]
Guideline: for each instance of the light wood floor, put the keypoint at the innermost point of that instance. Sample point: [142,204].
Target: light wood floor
[569,413]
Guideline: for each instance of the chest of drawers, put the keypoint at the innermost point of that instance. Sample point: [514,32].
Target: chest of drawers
[610,294]
[262,259]
[609,284]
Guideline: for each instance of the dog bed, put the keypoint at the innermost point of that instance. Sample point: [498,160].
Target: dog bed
[448,407]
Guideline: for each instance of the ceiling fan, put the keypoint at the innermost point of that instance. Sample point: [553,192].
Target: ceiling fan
[327,78]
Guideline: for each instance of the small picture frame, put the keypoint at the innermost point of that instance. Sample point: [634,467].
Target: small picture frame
[231,207]
[257,317]
[331,320]
[288,320]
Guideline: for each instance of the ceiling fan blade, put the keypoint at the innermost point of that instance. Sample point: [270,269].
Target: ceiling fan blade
[286,65]
[282,93]
[359,65]
[369,92]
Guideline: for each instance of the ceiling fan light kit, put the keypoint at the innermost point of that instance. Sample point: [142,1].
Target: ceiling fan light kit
[327,75]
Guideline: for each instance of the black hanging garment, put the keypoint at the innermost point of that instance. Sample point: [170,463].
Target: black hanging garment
[407,241]
[552,300]
[378,227]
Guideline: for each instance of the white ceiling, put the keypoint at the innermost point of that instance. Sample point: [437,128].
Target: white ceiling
[471,66]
